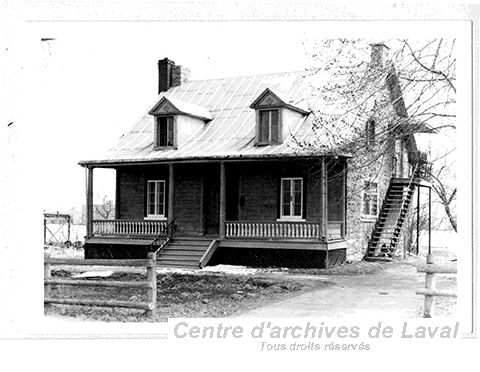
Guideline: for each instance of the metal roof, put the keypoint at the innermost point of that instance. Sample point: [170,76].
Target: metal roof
[231,132]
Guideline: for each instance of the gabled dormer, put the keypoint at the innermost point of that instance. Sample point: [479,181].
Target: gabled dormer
[175,120]
[274,115]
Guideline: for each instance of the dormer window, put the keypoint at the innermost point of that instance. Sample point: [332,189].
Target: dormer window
[165,131]
[269,127]
[270,112]
[174,119]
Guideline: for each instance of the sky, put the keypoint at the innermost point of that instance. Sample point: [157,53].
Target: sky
[96,80]
[90,83]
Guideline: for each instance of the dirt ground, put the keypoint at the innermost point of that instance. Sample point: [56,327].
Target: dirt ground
[367,289]
[179,294]
[388,292]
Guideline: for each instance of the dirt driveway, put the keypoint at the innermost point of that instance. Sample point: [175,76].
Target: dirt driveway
[388,293]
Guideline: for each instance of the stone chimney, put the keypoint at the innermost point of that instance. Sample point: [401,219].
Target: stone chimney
[379,55]
[170,75]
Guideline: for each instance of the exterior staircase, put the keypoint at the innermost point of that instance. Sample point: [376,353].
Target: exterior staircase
[183,253]
[386,232]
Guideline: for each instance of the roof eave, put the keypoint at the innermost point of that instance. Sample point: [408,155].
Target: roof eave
[120,162]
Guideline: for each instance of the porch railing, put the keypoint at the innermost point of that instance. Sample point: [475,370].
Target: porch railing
[127,227]
[282,230]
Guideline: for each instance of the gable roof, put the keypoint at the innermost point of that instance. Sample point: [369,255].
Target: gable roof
[230,134]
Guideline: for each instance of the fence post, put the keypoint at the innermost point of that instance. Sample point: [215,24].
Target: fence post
[429,284]
[152,279]
[46,275]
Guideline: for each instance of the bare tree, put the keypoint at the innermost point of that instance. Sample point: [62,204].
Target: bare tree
[420,79]
[446,194]
[105,209]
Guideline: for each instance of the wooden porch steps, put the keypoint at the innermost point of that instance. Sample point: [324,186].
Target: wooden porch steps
[386,233]
[183,253]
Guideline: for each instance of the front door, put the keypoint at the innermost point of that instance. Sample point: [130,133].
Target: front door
[212,205]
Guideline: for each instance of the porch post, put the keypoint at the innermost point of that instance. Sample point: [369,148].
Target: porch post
[171,193]
[343,231]
[324,199]
[89,195]
[223,209]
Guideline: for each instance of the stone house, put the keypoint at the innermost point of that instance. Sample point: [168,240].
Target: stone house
[237,171]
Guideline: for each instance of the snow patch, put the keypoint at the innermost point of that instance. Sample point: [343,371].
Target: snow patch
[93,274]
[232,269]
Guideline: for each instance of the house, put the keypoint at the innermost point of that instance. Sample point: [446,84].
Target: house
[242,170]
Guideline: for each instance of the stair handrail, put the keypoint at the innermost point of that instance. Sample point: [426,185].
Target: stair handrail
[166,234]
[412,177]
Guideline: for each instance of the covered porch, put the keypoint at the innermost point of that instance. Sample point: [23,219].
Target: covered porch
[268,204]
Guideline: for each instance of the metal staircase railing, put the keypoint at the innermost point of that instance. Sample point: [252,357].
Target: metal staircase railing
[395,233]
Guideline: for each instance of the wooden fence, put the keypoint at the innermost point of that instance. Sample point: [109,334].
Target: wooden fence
[430,291]
[150,284]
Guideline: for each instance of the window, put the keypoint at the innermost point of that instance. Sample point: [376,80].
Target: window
[291,200]
[370,133]
[165,133]
[268,123]
[370,198]
[156,198]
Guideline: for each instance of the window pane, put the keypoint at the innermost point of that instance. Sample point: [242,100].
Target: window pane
[151,187]
[165,131]
[170,132]
[162,132]
[274,126]
[151,198]
[151,208]
[297,210]
[366,203]
[373,208]
[286,209]
[160,197]
[264,126]
[297,197]
[297,185]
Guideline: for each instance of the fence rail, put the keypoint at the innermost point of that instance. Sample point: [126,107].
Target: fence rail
[430,291]
[150,284]
[127,227]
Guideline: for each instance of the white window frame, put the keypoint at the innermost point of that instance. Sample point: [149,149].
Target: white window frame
[174,131]
[370,215]
[292,201]
[279,126]
[156,215]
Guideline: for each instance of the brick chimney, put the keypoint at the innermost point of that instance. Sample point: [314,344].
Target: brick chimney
[379,55]
[170,75]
